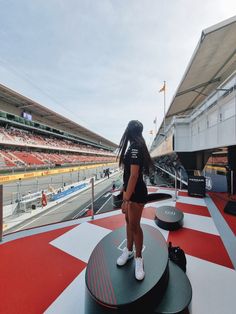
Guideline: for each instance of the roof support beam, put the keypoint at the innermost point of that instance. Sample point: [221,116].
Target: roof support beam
[194,88]
[25,106]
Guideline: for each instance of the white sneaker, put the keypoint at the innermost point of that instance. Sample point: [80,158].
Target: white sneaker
[139,272]
[125,256]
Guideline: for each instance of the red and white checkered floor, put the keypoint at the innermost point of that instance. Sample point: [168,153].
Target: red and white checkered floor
[44,272]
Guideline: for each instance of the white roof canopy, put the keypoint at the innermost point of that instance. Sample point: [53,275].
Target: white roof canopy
[213,60]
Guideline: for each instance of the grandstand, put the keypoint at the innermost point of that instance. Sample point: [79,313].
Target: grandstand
[32,136]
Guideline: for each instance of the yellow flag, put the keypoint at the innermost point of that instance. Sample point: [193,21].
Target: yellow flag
[163,88]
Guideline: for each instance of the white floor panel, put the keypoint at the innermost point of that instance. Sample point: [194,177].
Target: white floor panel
[72,299]
[168,202]
[191,200]
[200,223]
[168,191]
[81,240]
[213,287]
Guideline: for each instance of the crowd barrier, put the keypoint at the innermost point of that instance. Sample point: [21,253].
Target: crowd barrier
[68,191]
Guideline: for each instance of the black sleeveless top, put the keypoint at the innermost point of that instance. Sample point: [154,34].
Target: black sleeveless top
[134,156]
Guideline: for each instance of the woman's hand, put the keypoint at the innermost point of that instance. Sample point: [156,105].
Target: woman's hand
[124,206]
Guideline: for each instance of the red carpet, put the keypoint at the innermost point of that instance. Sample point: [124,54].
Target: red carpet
[110,222]
[183,193]
[33,273]
[202,245]
[152,189]
[220,200]
[119,221]
[193,209]
[149,213]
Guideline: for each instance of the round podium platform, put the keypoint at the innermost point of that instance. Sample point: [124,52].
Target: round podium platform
[169,218]
[114,289]
[157,197]
[178,294]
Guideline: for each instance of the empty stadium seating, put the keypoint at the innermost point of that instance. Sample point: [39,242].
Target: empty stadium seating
[20,148]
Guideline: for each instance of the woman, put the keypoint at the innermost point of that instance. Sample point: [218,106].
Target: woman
[136,162]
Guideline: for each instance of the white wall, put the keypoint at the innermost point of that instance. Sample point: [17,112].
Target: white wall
[213,128]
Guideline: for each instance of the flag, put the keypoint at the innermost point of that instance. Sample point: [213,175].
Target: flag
[155,120]
[163,88]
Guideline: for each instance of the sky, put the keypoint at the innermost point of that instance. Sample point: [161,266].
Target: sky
[102,63]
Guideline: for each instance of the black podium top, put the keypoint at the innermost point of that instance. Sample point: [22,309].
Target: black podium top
[169,218]
[114,286]
[169,214]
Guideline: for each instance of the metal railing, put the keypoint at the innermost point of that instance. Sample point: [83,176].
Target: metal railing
[68,198]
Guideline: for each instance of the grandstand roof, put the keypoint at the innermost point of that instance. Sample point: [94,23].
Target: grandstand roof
[213,60]
[13,98]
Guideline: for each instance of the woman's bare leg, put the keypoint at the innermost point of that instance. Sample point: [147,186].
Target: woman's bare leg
[129,233]
[134,217]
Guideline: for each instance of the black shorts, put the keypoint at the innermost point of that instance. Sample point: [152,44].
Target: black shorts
[140,193]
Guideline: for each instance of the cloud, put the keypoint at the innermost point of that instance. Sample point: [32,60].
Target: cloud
[101,63]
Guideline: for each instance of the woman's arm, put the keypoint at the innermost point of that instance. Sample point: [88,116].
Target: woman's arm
[134,173]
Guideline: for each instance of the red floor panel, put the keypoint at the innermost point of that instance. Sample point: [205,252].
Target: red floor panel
[149,212]
[152,189]
[33,273]
[202,245]
[111,223]
[193,209]
[183,193]
[220,200]
[119,221]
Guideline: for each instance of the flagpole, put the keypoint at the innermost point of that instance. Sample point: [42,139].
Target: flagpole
[163,89]
[164,107]
[155,126]
[151,138]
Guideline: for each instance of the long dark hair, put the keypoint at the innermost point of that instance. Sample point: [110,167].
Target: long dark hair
[133,133]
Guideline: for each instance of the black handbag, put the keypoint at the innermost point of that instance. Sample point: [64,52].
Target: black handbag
[177,255]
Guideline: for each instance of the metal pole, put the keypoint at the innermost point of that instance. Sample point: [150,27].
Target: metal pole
[165,107]
[19,189]
[1,212]
[175,185]
[180,187]
[92,201]
[232,182]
